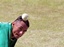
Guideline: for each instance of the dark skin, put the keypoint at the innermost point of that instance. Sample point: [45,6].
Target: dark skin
[19,28]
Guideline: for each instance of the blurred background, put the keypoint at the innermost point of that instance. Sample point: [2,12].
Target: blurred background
[46,21]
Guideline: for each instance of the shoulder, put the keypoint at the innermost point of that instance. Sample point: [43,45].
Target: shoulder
[4,24]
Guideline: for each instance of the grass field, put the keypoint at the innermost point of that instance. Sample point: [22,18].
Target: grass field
[46,21]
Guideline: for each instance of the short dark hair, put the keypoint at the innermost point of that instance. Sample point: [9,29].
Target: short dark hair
[20,19]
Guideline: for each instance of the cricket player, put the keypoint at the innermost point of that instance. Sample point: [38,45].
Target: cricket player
[10,32]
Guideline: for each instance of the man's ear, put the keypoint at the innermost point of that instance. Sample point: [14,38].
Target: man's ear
[13,23]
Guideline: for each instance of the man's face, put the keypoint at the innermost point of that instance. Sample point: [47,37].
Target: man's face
[19,28]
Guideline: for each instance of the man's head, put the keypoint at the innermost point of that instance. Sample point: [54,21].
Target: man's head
[20,26]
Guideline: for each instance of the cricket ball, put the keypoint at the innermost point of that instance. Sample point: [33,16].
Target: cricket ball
[25,16]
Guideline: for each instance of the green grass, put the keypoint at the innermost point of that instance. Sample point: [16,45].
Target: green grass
[46,21]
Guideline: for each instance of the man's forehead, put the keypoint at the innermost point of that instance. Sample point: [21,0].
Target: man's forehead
[22,24]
